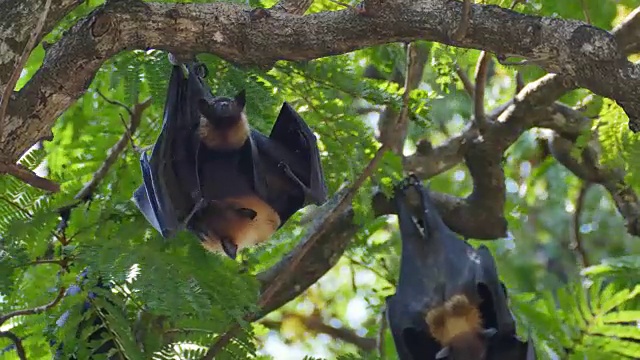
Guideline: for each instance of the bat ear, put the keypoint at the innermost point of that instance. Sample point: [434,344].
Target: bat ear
[240,99]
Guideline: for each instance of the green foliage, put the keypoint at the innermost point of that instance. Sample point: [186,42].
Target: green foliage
[593,319]
[170,299]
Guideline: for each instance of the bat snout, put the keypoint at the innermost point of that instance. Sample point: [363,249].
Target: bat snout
[223,108]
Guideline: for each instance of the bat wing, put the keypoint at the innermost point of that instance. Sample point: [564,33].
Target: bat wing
[409,331]
[494,306]
[162,198]
[295,149]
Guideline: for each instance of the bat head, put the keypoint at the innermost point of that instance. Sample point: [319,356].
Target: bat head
[223,112]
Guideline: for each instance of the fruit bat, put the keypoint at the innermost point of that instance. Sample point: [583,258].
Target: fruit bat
[449,302]
[211,173]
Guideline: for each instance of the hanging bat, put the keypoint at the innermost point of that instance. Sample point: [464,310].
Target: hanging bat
[449,302]
[211,173]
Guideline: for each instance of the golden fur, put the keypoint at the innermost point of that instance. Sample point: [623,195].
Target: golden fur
[457,318]
[227,139]
[243,231]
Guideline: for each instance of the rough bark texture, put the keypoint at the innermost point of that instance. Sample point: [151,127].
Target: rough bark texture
[584,55]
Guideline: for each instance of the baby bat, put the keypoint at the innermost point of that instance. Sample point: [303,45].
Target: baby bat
[449,302]
[211,173]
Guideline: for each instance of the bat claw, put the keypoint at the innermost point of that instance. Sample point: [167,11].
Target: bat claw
[443,353]
[487,333]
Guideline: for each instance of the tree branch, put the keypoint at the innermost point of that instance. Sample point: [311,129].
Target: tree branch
[36,310]
[393,125]
[463,26]
[576,237]
[10,84]
[466,83]
[116,149]
[481,83]
[29,177]
[584,55]
[315,324]
[22,355]
[628,33]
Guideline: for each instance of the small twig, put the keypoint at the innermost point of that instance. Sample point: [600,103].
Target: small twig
[115,102]
[576,237]
[35,310]
[14,205]
[481,81]
[46,261]
[29,177]
[463,26]
[13,79]
[373,270]
[585,12]
[17,342]
[315,324]
[380,343]
[468,85]
[115,151]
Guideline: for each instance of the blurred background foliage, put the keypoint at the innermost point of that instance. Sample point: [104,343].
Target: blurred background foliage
[174,298]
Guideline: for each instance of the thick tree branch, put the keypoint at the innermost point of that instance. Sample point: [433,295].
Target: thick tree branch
[628,33]
[6,89]
[20,31]
[315,324]
[533,106]
[585,55]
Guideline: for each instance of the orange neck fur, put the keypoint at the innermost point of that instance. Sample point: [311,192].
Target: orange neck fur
[224,139]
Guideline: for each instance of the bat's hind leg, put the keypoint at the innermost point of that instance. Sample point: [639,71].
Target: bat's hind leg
[307,190]
[201,204]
